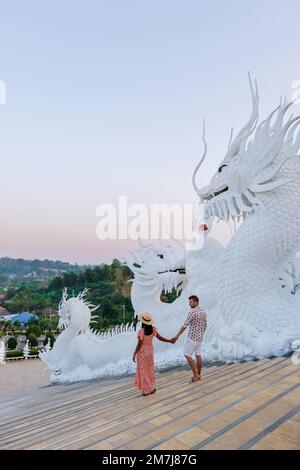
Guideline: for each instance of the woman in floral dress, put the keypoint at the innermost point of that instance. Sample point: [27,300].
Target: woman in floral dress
[144,356]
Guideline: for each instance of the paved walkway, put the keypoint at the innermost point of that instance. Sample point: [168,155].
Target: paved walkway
[20,378]
[253,405]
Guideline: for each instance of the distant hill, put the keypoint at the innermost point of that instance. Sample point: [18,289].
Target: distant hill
[15,271]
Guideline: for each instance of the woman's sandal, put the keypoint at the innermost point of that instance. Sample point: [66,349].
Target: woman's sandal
[146,394]
[194,380]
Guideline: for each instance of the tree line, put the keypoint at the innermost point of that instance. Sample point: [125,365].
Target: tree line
[107,285]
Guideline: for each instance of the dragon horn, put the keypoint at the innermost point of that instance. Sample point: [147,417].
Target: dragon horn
[64,296]
[247,130]
[201,161]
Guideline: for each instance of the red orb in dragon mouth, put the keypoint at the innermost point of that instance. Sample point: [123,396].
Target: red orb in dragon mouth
[203,227]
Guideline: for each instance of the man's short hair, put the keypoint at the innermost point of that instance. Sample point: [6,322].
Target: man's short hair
[194,297]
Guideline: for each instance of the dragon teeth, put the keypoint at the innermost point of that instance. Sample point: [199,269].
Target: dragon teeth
[220,209]
[225,210]
[217,210]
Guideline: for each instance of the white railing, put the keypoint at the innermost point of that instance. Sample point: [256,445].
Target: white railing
[2,351]
[26,352]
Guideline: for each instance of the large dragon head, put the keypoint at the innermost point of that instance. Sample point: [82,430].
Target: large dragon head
[252,163]
[158,266]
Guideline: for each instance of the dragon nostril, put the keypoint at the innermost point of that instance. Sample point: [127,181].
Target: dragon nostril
[221,168]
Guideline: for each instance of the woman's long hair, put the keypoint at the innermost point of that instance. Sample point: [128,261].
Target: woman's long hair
[148,329]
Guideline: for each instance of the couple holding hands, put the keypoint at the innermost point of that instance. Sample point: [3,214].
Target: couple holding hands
[144,356]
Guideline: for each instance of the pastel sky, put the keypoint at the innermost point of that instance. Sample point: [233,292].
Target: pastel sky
[107,97]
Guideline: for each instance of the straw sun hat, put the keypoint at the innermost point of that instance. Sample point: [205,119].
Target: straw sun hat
[146,318]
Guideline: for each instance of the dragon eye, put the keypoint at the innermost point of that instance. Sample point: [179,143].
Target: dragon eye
[161,256]
[221,168]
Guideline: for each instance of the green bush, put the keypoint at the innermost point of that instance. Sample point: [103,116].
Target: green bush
[33,321]
[12,343]
[34,352]
[52,339]
[32,340]
[14,354]
[33,329]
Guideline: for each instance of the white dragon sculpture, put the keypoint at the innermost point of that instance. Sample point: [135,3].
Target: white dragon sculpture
[258,181]
[250,289]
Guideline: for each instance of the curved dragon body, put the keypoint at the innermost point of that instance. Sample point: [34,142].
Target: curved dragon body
[255,318]
[258,181]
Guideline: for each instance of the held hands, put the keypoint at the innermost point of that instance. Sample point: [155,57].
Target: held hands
[173,340]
